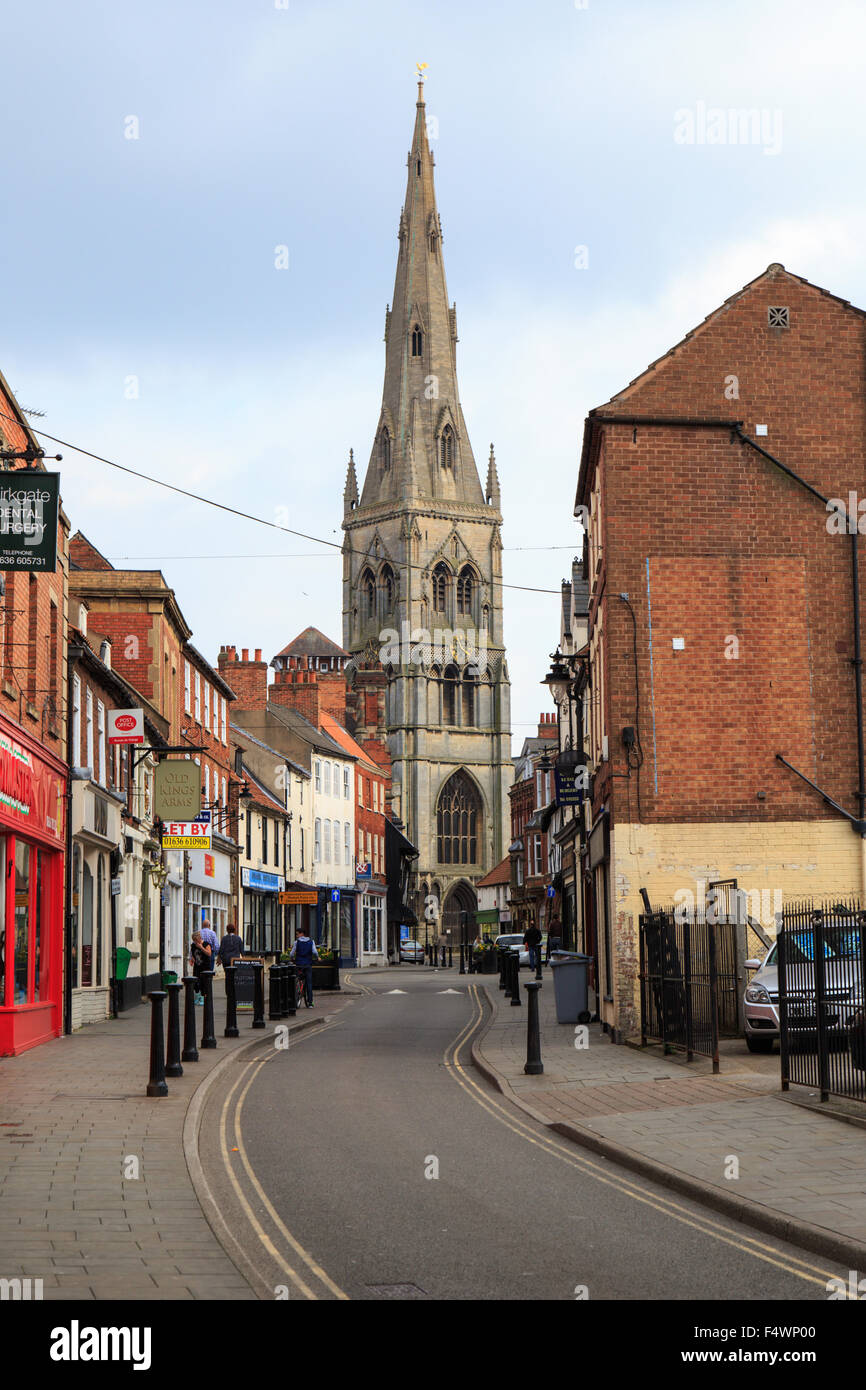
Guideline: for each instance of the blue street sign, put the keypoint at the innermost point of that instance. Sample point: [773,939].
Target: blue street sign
[551,891]
[335,895]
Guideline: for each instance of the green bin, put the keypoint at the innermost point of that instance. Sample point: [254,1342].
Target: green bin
[169,977]
[123,959]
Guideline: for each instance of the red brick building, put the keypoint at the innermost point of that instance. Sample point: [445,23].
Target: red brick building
[531,797]
[33,773]
[723,628]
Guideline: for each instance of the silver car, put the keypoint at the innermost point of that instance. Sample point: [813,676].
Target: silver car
[842,987]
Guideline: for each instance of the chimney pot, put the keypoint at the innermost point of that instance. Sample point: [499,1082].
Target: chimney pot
[245,653]
[258,653]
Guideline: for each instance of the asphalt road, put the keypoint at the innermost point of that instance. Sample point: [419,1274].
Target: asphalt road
[321,1158]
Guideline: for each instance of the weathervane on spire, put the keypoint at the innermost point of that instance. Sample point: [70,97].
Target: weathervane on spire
[419,67]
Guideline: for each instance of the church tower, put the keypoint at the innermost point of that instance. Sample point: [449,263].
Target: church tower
[422,577]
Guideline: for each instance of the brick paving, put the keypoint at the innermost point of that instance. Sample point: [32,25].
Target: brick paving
[72,1111]
[794,1160]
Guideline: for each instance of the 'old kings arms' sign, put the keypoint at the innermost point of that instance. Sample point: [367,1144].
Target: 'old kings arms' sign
[28,520]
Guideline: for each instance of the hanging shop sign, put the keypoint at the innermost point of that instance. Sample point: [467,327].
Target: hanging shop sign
[570,787]
[186,835]
[28,520]
[177,792]
[299,897]
[126,726]
[363,870]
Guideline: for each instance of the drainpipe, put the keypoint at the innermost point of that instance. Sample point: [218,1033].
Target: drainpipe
[858,684]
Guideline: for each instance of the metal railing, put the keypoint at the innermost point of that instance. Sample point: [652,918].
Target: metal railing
[821,964]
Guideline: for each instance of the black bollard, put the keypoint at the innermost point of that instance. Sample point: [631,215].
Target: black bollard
[291,986]
[534,1066]
[432,960]
[190,1051]
[450,956]
[538,961]
[208,1037]
[172,1060]
[274,992]
[231,1028]
[285,1002]
[259,996]
[156,1085]
[501,955]
[515,978]
[462,970]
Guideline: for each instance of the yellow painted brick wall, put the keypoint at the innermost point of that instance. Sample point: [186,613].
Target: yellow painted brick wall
[773,861]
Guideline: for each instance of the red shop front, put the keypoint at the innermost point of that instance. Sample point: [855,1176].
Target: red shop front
[32,830]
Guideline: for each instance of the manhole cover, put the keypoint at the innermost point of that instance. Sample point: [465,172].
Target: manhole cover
[397,1290]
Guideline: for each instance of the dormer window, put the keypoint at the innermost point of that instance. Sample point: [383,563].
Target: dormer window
[417,341]
[446,447]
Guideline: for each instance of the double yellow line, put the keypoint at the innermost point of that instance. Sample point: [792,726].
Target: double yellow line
[231,1129]
[802,1269]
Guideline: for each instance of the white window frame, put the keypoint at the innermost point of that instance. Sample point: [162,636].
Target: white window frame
[318,773]
[327,779]
[89,722]
[206,705]
[347,790]
[327,838]
[206,784]
[336,842]
[225,739]
[360,781]
[100,735]
[76,720]
[198,697]
[317,842]
[187,683]
[347,842]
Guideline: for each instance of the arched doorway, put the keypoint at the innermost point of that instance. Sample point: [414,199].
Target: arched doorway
[460,898]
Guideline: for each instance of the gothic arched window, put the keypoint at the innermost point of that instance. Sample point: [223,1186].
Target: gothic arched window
[470,700]
[387,582]
[433,705]
[449,695]
[385,450]
[417,341]
[457,818]
[368,591]
[441,582]
[464,590]
[446,447]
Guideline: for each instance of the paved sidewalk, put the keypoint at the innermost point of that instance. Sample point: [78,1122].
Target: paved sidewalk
[802,1174]
[71,1112]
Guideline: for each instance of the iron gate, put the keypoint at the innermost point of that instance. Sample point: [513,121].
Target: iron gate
[689,981]
[821,967]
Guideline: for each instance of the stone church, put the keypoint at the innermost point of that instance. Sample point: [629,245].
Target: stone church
[422,578]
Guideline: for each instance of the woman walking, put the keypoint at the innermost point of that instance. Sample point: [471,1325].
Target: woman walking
[201,958]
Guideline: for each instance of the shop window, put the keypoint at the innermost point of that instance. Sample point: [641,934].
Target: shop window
[97,943]
[347,791]
[87,927]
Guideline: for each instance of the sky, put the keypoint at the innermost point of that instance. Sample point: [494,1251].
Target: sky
[156,156]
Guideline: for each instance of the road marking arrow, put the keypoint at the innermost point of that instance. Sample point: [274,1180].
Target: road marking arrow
[448,991]
[395,991]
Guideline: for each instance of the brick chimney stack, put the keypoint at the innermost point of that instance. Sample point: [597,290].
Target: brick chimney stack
[311,692]
[248,679]
[547,727]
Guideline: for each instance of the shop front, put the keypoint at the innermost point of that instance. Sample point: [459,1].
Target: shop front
[32,843]
[335,924]
[208,890]
[262,930]
[96,834]
[374,923]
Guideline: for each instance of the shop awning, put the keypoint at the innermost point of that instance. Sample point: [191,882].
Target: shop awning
[487,914]
[405,915]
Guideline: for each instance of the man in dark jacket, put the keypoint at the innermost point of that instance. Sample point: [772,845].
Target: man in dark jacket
[532,940]
[231,946]
[303,953]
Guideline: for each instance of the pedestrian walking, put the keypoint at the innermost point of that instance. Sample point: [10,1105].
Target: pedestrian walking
[200,958]
[210,938]
[554,937]
[230,947]
[532,940]
[303,953]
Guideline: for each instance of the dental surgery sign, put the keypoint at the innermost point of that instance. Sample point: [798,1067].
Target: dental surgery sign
[28,520]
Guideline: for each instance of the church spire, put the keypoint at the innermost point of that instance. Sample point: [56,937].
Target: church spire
[491,493]
[350,491]
[421,450]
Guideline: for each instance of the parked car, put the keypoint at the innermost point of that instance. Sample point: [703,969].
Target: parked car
[514,941]
[411,951]
[842,982]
